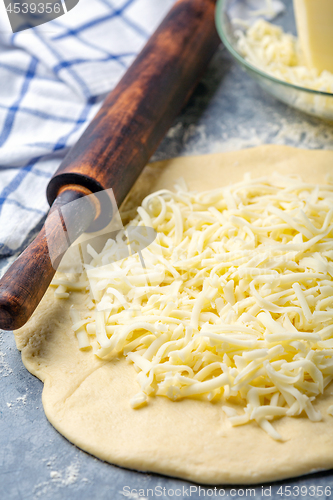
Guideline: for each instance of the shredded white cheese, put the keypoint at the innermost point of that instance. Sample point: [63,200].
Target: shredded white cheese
[267,47]
[64,286]
[235,302]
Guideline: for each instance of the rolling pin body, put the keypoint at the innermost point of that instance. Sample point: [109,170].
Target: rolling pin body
[118,143]
[137,114]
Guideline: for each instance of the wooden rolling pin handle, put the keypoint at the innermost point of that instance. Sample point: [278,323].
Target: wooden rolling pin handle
[26,281]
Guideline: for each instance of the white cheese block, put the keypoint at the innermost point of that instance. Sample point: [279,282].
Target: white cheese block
[314,20]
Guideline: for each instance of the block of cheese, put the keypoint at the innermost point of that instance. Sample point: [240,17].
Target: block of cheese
[314,20]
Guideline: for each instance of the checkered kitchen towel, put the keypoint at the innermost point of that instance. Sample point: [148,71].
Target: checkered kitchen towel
[53,79]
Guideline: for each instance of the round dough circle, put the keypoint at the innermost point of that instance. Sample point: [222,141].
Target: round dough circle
[87,399]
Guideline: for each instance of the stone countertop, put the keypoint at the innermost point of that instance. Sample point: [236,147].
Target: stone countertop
[227,112]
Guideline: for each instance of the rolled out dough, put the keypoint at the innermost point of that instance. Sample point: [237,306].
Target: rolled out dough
[87,399]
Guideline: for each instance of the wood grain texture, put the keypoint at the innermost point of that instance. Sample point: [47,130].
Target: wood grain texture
[119,141]
[137,114]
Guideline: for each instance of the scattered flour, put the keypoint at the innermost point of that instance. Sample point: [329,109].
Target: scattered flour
[303,133]
[21,400]
[174,131]
[68,476]
[55,475]
[5,369]
[58,479]
[316,135]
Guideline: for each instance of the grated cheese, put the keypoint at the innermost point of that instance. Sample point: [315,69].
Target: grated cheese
[64,286]
[267,47]
[235,302]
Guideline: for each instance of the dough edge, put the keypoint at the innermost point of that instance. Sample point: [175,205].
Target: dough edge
[188,439]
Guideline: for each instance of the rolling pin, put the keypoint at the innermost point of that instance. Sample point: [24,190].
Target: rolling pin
[116,145]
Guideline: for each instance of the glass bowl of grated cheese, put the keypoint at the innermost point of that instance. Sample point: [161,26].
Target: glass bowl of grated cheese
[261,36]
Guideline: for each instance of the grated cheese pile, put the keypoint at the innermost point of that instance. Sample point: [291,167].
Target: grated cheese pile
[267,47]
[235,303]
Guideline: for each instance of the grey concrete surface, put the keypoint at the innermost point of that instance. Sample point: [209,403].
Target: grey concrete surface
[228,111]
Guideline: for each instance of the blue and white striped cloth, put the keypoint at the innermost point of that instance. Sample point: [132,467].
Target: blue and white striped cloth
[53,79]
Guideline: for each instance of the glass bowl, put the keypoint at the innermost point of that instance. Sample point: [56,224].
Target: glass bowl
[313,102]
